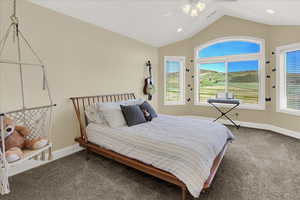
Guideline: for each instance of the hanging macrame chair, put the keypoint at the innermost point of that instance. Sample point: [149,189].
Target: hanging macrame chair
[36,119]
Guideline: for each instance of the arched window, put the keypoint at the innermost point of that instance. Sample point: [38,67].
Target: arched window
[234,65]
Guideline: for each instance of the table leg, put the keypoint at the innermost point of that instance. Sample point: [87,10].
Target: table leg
[225,114]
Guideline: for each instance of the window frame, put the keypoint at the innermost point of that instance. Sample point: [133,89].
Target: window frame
[281,96]
[234,58]
[180,59]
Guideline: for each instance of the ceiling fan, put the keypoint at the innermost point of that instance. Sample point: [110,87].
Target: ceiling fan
[195,7]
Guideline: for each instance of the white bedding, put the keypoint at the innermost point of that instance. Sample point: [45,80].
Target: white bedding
[185,147]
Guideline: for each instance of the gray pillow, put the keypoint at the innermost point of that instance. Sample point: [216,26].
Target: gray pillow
[133,115]
[149,108]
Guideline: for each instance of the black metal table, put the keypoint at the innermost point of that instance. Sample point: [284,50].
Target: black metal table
[234,102]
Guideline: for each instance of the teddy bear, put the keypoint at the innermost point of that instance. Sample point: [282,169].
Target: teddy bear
[18,138]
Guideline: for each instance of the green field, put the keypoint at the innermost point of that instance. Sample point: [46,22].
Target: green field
[172,93]
[244,85]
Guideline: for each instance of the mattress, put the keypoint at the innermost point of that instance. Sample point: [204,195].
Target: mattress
[183,146]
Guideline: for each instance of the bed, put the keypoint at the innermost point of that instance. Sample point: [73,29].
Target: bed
[159,148]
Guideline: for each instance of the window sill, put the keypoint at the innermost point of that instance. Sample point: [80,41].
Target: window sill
[289,111]
[174,103]
[241,106]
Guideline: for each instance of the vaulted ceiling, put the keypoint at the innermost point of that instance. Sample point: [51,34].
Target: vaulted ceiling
[160,22]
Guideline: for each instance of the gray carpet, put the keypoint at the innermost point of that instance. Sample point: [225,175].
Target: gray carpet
[259,165]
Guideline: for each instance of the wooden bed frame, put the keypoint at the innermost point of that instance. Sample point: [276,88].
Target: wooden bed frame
[80,104]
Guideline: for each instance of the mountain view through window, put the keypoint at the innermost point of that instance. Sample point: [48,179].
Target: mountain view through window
[239,77]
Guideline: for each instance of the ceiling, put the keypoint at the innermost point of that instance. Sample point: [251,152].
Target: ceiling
[156,22]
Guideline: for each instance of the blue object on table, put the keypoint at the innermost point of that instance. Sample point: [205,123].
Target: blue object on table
[234,102]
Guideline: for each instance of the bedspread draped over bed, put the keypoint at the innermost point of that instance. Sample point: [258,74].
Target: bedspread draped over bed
[185,147]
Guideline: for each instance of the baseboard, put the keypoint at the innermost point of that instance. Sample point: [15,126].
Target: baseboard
[268,127]
[30,164]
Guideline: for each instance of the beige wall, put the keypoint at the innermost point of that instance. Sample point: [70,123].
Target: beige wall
[224,27]
[2,16]
[181,48]
[81,59]
[279,36]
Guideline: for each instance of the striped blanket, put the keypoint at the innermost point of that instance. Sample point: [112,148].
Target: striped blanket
[185,147]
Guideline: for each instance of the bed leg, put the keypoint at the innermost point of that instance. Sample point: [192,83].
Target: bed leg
[183,193]
[204,191]
[87,154]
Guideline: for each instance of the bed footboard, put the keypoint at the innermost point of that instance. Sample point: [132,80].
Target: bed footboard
[166,176]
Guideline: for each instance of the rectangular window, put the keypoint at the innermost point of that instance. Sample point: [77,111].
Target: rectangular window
[212,80]
[243,80]
[240,78]
[174,76]
[288,83]
[293,80]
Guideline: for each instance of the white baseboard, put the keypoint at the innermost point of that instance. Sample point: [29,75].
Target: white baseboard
[27,165]
[268,127]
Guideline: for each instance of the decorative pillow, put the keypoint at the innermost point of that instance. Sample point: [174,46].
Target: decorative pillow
[93,115]
[147,115]
[133,115]
[112,114]
[146,106]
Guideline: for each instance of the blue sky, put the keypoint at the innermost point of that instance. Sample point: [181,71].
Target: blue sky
[251,65]
[229,48]
[293,62]
[236,48]
[173,66]
[225,49]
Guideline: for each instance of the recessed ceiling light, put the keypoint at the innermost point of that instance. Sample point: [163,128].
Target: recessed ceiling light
[270,11]
[179,30]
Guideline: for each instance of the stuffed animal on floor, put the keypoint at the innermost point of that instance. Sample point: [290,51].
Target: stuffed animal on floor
[18,138]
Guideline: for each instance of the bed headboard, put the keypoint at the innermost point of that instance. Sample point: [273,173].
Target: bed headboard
[81,103]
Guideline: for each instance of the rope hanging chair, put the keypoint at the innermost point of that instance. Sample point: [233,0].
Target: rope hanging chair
[36,119]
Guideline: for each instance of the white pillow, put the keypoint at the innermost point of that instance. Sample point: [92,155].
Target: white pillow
[130,102]
[94,115]
[112,114]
